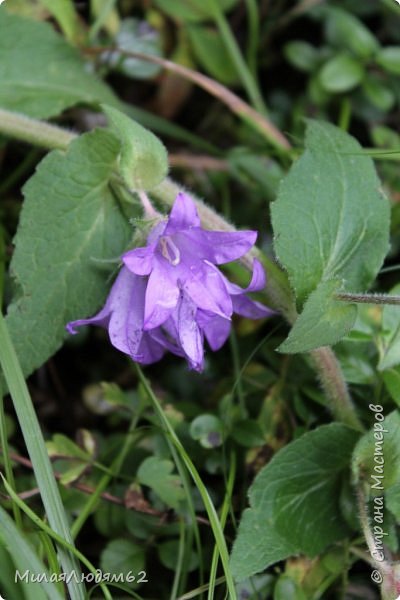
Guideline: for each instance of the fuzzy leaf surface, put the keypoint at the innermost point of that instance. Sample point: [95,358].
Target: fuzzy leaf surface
[40,73]
[294,504]
[331,220]
[69,223]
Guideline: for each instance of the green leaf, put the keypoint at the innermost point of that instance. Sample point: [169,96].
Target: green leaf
[143,159]
[287,588]
[391,379]
[61,445]
[40,73]
[156,473]
[347,31]
[330,221]
[248,433]
[379,94]
[294,504]
[191,10]
[390,354]
[341,74]
[389,59]
[168,551]
[392,499]
[301,55]
[324,320]
[123,557]
[64,12]
[376,457]
[69,222]
[211,53]
[208,430]
[135,36]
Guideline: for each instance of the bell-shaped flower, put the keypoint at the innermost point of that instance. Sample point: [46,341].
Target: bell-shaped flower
[180,256]
[170,295]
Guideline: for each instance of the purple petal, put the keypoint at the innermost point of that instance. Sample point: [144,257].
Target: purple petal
[190,335]
[156,232]
[183,215]
[149,351]
[167,335]
[208,291]
[216,329]
[102,318]
[140,260]
[161,297]
[217,247]
[244,306]
[127,304]
[257,283]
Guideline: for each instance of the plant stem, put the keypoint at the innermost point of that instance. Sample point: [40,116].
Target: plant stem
[335,387]
[369,298]
[149,210]
[32,131]
[259,122]
[278,292]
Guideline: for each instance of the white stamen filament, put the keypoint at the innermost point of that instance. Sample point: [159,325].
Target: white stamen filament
[170,251]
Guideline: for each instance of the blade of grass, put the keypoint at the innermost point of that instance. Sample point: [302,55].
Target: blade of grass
[209,506]
[249,82]
[200,590]
[74,574]
[180,559]
[7,460]
[253,35]
[226,507]
[185,482]
[102,17]
[37,452]
[51,557]
[25,559]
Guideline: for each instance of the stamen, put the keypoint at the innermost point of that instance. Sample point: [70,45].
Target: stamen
[170,251]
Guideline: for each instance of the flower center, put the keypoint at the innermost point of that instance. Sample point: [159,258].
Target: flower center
[170,251]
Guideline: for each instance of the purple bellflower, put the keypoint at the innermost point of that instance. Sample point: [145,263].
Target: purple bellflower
[170,295]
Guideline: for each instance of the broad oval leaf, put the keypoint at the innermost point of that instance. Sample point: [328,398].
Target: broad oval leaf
[341,74]
[347,31]
[143,160]
[331,219]
[389,59]
[70,222]
[294,504]
[40,73]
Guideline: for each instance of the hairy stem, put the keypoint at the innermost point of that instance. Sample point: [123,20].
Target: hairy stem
[334,385]
[369,298]
[32,131]
[278,293]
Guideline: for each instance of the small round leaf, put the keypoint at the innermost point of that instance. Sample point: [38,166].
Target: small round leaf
[341,74]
